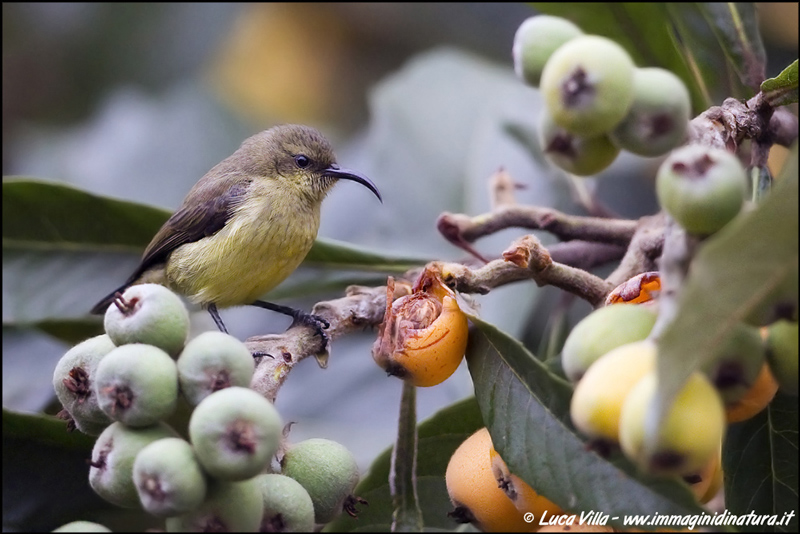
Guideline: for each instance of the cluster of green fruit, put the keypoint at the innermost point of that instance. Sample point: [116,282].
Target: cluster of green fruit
[611,362]
[597,101]
[122,385]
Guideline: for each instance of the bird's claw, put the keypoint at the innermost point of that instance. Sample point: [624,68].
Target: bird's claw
[317,323]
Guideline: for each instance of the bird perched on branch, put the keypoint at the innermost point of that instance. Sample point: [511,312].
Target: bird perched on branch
[246,225]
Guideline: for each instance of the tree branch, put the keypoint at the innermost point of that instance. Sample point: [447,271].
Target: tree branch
[276,354]
[525,259]
[726,126]
[587,242]
[458,227]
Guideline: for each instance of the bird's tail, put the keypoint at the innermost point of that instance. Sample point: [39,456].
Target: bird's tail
[100,307]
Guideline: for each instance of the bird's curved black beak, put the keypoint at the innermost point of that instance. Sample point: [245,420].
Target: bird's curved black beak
[345,174]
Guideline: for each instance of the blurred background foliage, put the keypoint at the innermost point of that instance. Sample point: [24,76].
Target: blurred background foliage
[138,101]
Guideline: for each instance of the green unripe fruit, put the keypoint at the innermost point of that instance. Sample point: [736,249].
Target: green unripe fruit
[137,385]
[82,526]
[598,398]
[782,354]
[235,433]
[690,435]
[149,314]
[168,477]
[111,471]
[73,381]
[582,156]
[602,331]
[287,505]
[702,188]
[213,361]
[659,115]
[535,41]
[327,471]
[736,363]
[587,85]
[228,507]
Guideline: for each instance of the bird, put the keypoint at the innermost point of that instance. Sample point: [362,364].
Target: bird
[246,225]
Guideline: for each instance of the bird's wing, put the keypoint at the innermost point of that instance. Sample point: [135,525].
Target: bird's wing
[196,218]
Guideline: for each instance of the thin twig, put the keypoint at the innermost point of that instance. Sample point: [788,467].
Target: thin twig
[276,354]
[525,259]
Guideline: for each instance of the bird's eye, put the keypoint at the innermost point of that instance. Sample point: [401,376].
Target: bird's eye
[302,161]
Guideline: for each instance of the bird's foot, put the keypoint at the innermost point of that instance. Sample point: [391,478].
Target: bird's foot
[301,318]
[316,322]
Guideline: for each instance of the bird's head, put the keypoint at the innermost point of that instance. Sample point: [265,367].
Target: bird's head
[301,158]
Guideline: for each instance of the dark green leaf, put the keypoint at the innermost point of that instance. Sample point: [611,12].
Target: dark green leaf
[695,38]
[439,436]
[308,282]
[783,425]
[46,483]
[53,215]
[692,44]
[782,89]
[526,409]
[71,331]
[735,24]
[64,249]
[759,459]
[29,358]
[731,275]
[58,216]
[41,284]
[44,429]
[340,255]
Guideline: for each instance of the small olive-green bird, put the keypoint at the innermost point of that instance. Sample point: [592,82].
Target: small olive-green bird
[246,225]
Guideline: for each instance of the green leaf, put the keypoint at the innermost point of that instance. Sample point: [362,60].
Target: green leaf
[782,89]
[526,409]
[309,282]
[735,24]
[697,40]
[438,437]
[44,429]
[38,213]
[693,45]
[335,254]
[54,284]
[45,475]
[55,215]
[732,274]
[759,459]
[64,249]
[71,331]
